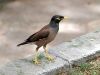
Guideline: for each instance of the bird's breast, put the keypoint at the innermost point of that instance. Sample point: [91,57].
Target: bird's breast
[52,35]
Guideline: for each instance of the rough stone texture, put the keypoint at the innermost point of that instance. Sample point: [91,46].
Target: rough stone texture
[26,67]
[78,50]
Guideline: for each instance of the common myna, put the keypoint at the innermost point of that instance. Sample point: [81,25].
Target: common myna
[45,36]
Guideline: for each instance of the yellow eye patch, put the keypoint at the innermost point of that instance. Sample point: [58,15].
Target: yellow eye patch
[58,18]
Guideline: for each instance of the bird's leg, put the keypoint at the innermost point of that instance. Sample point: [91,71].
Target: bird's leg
[48,56]
[35,60]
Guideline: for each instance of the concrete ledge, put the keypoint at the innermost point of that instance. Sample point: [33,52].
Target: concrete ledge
[77,51]
[26,67]
[80,49]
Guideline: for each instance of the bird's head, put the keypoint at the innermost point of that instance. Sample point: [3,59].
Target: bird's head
[57,18]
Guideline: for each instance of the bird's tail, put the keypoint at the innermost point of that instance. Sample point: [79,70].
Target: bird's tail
[23,43]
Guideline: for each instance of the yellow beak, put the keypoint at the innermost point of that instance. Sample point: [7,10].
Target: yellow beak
[66,17]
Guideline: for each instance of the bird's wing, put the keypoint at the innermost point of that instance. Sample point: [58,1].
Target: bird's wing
[38,35]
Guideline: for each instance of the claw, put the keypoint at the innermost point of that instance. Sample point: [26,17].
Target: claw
[50,57]
[47,55]
[36,61]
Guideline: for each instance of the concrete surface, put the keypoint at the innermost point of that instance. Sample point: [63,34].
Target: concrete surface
[21,18]
[77,51]
[26,67]
[80,49]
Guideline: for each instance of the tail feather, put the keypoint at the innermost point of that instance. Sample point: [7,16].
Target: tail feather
[23,43]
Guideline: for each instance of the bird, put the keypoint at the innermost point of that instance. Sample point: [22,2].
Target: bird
[44,36]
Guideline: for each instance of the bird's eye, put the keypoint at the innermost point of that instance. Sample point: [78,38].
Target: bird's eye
[58,18]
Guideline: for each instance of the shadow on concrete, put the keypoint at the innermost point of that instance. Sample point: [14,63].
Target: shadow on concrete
[4,2]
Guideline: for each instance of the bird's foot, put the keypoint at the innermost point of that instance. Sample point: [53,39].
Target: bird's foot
[36,61]
[49,57]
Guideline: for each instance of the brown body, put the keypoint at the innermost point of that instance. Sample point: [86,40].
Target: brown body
[45,41]
[42,37]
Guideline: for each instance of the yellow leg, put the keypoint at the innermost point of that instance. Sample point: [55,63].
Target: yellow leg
[35,60]
[48,56]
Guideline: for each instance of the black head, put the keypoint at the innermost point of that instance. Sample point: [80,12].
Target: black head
[57,18]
